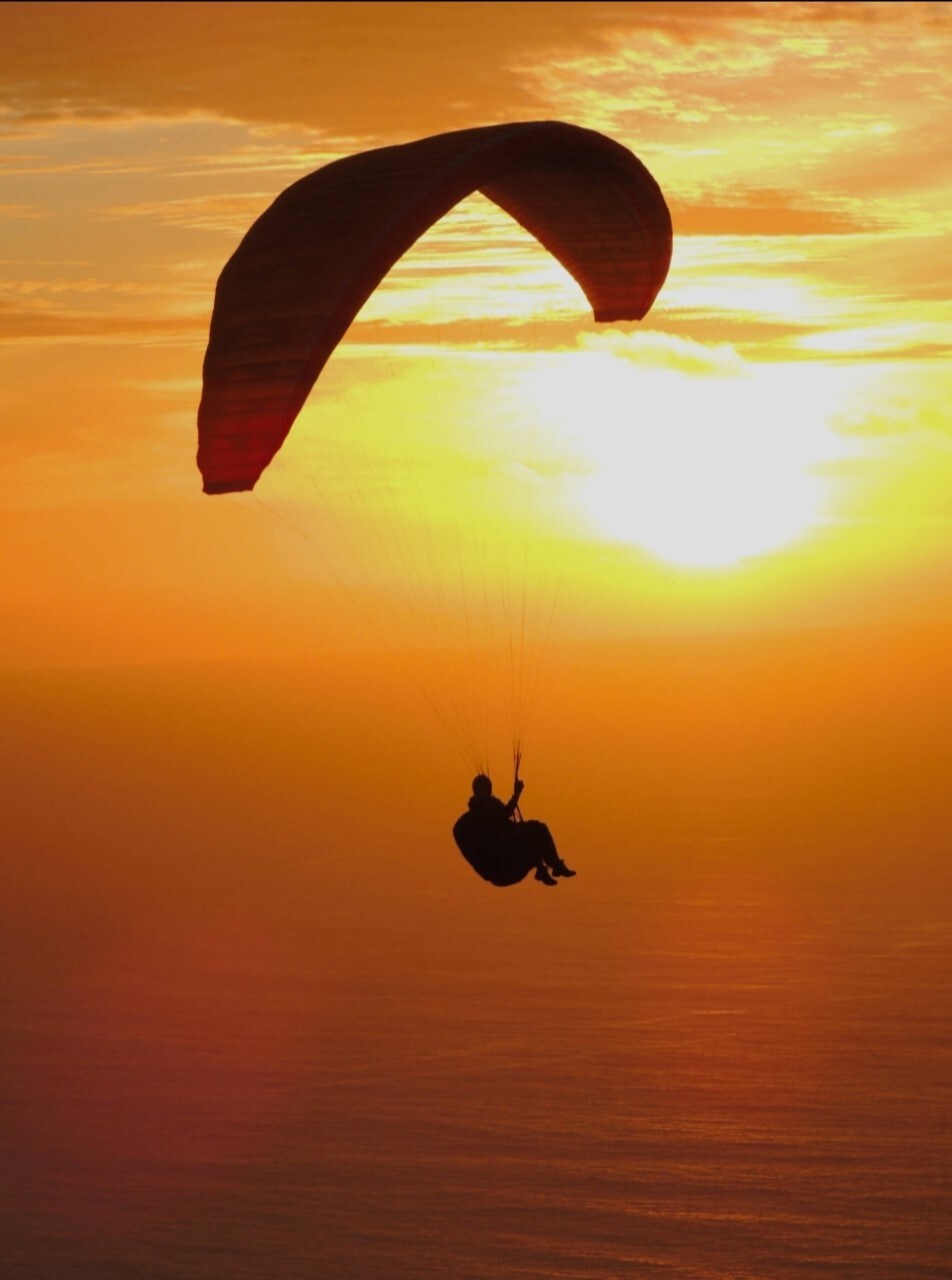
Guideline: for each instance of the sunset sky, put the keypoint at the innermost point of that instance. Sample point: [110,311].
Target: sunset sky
[770,447]
[260,1019]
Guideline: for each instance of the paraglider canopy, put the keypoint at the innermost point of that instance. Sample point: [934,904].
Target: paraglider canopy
[305,268]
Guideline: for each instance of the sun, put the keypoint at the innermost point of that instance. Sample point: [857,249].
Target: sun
[701,468]
[700,511]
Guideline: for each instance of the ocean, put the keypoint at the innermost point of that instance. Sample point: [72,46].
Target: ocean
[282,1032]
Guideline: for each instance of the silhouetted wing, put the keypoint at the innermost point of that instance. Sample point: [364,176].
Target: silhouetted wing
[306,267]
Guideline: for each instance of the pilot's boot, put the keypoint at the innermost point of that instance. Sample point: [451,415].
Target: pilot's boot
[559,868]
[543,875]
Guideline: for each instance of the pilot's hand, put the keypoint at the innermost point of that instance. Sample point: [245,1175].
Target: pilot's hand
[519,787]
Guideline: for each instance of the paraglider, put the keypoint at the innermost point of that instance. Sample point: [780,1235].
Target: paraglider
[298,279]
[305,268]
[500,849]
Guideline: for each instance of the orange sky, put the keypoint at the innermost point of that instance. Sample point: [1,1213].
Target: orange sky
[240,942]
[771,447]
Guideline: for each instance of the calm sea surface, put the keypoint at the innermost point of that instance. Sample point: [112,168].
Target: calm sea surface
[317,1055]
[704,1074]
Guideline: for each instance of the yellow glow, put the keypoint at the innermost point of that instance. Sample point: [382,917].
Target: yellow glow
[698,471]
[751,295]
[882,337]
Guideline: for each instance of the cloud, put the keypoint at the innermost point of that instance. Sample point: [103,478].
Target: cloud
[636,343]
[414,337]
[903,341]
[814,100]
[371,70]
[20,212]
[746,212]
[229,212]
[795,143]
[35,324]
[396,69]
[658,349]
[752,336]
